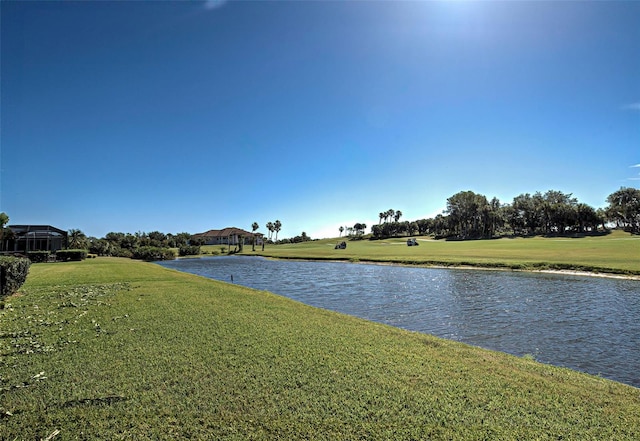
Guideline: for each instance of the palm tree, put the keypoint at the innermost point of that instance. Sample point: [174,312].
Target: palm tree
[277,226]
[389,214]
[77,239]
[381,215]
[397,215]
[254,227]
[270,229]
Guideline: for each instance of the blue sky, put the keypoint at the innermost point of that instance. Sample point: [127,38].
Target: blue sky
[187,116]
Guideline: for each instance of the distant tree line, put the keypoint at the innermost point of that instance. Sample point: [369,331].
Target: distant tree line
[150,244]
[296,239]
[470,215]
[392,227]
[125,244]
[356,232]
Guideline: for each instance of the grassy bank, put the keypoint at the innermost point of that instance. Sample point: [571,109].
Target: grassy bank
[120,349]
[616,253]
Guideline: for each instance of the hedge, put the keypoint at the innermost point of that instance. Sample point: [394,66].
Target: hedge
[151,254]
[38,256]
[13,273]
[76,255]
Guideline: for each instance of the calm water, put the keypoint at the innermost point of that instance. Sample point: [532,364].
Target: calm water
[586,323]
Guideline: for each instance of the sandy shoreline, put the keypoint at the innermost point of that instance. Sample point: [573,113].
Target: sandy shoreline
[472,267]
[588,273]
[545,271]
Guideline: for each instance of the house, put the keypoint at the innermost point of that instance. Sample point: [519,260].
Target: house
[228,236]
[25,238]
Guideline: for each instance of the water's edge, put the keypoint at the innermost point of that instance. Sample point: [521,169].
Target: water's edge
[584,321]
[605,275]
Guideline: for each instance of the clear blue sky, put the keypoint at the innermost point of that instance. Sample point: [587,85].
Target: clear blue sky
[188,116]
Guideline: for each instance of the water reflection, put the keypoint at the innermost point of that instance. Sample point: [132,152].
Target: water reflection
[588,324]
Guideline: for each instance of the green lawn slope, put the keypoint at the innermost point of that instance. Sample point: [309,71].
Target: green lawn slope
[615,253]
[119,349]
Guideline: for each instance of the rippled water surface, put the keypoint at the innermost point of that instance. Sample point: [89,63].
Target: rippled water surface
[585,323]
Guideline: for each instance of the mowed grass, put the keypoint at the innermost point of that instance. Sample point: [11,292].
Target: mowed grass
[119,349]
[618,252]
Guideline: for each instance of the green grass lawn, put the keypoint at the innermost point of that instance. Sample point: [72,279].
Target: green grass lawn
[618,252]
[119,349]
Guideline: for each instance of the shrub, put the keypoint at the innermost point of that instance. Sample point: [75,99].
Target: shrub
[13,273]
[38,256]
[189,250]
[122,252]
[75,255]
[151,254]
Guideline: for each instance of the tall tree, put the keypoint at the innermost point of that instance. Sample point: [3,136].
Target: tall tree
[270,229]
[130,241]
[495,216]
[465,213]
[277,226]
[254,228]
[182,239]
[523,215]
[101,247]
[115,238]
[601,213]
[376,231]
[440,226]
[359,228]
[586,218]
[397,215]
[157,239]
[412,228]
[558,211]
[389,214]
[624,208]
[77,239]
[424,226]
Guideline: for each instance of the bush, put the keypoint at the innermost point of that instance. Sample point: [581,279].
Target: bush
[75,255]
[122,252]
[13,273]
[189,250]
[151,254]
[38,256]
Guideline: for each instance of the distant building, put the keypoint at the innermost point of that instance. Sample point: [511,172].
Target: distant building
[228,236]
[25,238]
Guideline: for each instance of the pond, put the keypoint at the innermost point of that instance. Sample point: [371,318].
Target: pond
[585,323]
